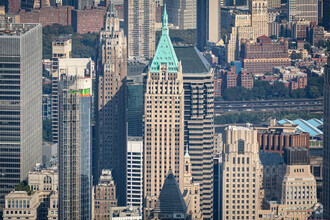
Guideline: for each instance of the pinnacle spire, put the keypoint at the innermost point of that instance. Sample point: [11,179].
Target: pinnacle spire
[164,18]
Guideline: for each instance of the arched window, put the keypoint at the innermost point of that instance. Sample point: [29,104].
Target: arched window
[240,146]
[47,179]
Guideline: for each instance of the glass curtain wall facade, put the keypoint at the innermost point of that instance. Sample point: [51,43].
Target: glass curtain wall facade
[75,150]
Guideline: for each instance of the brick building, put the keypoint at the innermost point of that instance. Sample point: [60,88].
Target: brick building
[82,21]
[229,78]
[315,34]
[275,138]
[14,6]
[299,29]
[88,20]
[298,83]
[262,56]
[217,86]
[48,16]
[245,79]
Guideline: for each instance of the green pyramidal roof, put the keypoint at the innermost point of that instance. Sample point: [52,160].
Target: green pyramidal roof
[165,52]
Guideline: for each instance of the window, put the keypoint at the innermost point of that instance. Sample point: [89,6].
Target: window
[240,146]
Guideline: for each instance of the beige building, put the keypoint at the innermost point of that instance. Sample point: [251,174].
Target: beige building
[104,196]
[303,10]
[53,206]
[163,119]
[140,20]
[61,49]
[245,25]
[111,106]
[45,182]
[191,193]
[296,186]
[241,174]
[20,205]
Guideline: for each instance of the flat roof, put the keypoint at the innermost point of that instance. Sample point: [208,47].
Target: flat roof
[15,29]
[268,158]
[192,60]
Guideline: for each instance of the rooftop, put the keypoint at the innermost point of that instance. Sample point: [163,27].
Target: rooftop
[15,29]
[192,60]
[267,158]
[63,38]
[305,126]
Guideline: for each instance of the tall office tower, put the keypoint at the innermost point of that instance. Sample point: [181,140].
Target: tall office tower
[61,49]
[326,143]
[20,103]
[75,146]
[198,123]
[135,172]
[111,107]
[140,19]
[326,14]
[104,196]
[163,119]
[135,106]
[303,10]
[240,178]
[240,25]
[182,13]
[208,22]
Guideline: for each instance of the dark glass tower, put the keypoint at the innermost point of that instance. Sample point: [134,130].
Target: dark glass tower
[326,14]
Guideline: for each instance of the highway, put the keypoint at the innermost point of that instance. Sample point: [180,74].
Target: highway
[313,105]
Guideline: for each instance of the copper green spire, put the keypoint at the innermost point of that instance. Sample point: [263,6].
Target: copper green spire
[165,53]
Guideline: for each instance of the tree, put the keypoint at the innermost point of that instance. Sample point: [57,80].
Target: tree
[313,92]
[23,186]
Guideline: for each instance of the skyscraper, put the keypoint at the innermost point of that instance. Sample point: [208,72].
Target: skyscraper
[135,172]
[208,22]
[303,10]
[326,149]
[61,49]
[198,122]
[75,145]
[20,103]
[110,152]
[326,14]
[240,178]
[135,106]
[104,196]
[140,19]
[163,119]
[182,13]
